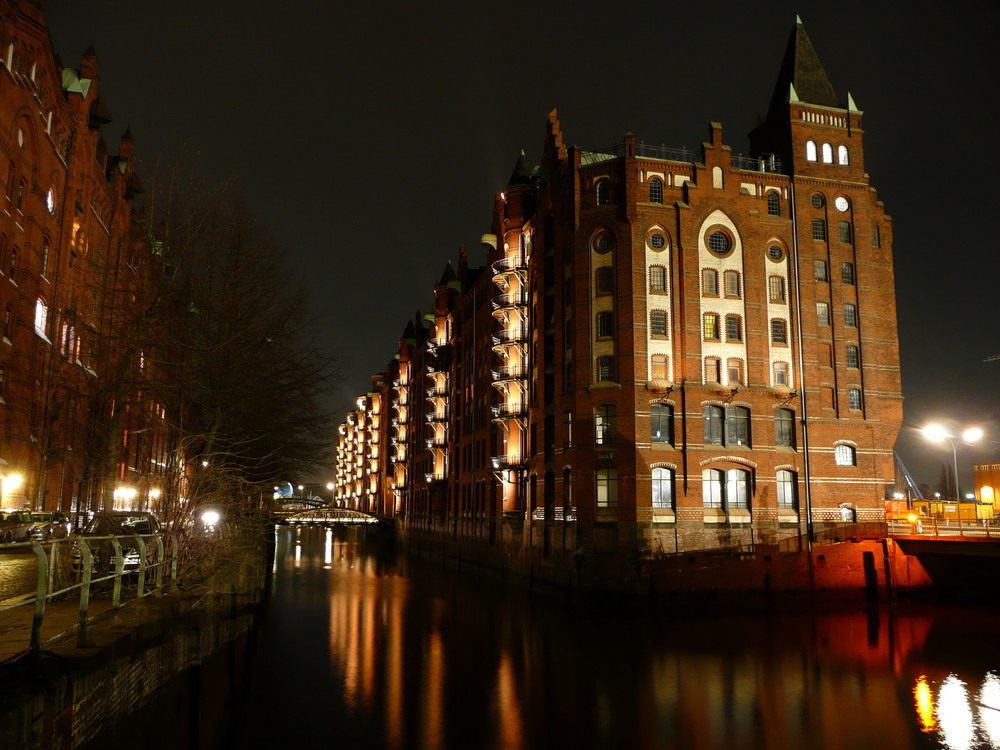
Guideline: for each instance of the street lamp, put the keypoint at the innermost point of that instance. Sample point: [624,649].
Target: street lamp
[333,497]
[938,434]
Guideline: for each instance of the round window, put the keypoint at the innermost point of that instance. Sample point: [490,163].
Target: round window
[816,200]
[841,203]
[604,242]
[719,243]
[657,241]
[775,252]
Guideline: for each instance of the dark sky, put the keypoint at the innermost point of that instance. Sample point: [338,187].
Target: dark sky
[370,138]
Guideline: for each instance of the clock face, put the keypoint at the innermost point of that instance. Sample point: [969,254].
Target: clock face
[50,200]
[841,204]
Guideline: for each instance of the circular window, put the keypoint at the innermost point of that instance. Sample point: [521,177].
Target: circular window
[841,203]
[657,241]
[719,243]
[816,200]
[50,201]
[604,242]
[775,252]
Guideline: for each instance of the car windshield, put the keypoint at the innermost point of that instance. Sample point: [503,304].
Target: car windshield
[138,524]
[44,517]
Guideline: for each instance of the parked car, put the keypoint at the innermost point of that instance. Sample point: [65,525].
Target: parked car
[16,526]
[50,525]
[120,523]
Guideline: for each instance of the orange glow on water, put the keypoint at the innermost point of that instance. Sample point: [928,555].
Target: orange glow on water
[924,703]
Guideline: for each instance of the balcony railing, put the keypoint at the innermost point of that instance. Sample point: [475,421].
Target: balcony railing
[509,264]
[767,163]
[433,476]
[507,462]
[510,372]
[515,409]
[435,417]
[511,299]
[438,441]
[510,335]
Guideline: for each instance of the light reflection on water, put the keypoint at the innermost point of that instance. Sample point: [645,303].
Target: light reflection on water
[401,654]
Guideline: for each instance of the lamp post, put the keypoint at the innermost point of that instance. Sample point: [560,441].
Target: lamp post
[333,495]
[938,434]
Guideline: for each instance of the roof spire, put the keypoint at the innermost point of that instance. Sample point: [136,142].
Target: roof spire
[802,72]
[521,174]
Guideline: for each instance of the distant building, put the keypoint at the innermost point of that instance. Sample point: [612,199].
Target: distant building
[75,430]
[666,350]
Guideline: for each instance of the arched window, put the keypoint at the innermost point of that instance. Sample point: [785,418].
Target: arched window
[21,190]
[603,192]
[717,178]
[784,428]
[845,455]
[810,151]
[827,153]
[41,317]
[45,258]
[773,204]
[12,268]
[658,324]
[657,279]
[656,190]
[604,280]
[607,488]
[787,490]
[604,424]
[661,423]
[663,488]
[843,158]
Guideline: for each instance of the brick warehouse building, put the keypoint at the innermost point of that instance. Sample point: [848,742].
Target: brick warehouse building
[71,430]
[665,350]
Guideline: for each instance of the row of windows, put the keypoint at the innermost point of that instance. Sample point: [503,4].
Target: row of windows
[850,314]
[826,151]
[820,272]
[845,232]
[727,426]
[734,369]
[724,490]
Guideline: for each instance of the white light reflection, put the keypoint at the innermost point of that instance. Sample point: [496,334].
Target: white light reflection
[298,552]
[328,548]
[955,715]
[989,708]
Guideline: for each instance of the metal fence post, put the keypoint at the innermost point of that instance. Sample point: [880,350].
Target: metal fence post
[116,594]
[88,565]
[142,565]
[41,594]
[159,564]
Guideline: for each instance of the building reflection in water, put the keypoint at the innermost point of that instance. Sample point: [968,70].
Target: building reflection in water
[421,658]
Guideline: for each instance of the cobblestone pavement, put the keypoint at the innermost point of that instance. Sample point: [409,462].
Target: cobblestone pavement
[18,573]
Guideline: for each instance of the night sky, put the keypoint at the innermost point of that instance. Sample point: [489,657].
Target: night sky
[370,138]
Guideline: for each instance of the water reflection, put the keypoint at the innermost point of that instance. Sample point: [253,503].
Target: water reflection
[395,653]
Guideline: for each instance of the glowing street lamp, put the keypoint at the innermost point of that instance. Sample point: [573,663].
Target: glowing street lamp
[970,436]
[330,486]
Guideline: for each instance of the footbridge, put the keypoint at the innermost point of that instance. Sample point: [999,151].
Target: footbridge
[329,516]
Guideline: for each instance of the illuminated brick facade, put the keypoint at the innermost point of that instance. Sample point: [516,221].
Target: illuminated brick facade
[67,279]
[665,350]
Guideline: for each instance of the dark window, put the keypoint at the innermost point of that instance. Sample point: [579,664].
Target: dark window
[844,230]
[719,243]
[819,229]
[854,398]
[876,235]
[605,368]
[819,270]
[773,204]
[663,488]
[847,273]
[853,356]
[656,190]
[784,428]
[737,425]
[604,424]
[604,279]
[734,328]
[732,280]
[658,323]
[605,324]
[712,416]
[603,193]
[850,315]
[657,279]
[779,332]
[661,423]
[816,200]
[710,282]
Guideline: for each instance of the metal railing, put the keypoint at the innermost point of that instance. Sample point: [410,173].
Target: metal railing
[68,565]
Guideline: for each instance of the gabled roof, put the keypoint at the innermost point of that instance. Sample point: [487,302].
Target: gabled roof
[801,75]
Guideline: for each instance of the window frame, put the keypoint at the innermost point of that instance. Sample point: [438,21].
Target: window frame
[655,190]
[845,455]
[784,428]
[658,324]
[662,488]
[661,424]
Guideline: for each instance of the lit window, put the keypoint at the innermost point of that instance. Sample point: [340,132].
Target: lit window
[776,289]
[732,281]
[850,315]
[737,489]
[710,282]
[787,490]
[41,317]
[45,258]
[658,323]
[781,373]
[827,153]
[607,488]
[847,273]
[725,490]
[845,455]
[819,270]
[784,428]
[853,357]
[657,279]
[711,488]
[663,488]
[779,332]
[603,280]
[659,367]
[854,398]
[603,193]
[711,324]
[734,328]
[810,151]
[843,158]
[661,423]
[822,313]
[605,325]
[773,204]
[604,424]
[656,190]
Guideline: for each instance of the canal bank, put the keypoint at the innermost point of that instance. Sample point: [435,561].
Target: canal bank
[188,642]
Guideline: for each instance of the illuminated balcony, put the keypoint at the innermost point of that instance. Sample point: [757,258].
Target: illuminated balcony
[433,476]
[437,391]
[507,373]
[437,441]
[512,299]
[513,335]
[510,410]
[435,417]
[508,462]
[510,264]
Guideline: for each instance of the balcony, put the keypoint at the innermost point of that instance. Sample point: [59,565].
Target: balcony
[435,417]
[437,391]
[433,476]
[510,410]
[510,264]
[512,299]
[515,335]
[438,441]
[510,372]
[508,462]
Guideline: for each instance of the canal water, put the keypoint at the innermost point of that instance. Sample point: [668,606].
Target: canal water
[360,648]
